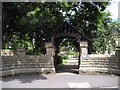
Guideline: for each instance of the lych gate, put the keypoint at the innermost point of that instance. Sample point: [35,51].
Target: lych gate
[22,63]
[66,30]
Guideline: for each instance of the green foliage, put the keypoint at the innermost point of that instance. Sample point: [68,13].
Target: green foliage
[65,57]
[71,52]
[104,37]
[65,61]
[28,24]
[62,60]
[67,44]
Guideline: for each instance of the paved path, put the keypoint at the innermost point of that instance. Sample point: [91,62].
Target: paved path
[65,78]
[71,66]
[60,80]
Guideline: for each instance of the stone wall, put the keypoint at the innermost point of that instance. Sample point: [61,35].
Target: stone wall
[100,64]
[22,63]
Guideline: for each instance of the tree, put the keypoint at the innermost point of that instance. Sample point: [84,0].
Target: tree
[28,24]
[107,35]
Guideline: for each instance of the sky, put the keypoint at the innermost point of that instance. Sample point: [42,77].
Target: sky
[113,8]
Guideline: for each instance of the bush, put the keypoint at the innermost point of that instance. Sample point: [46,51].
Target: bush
[71,53]
[65,57]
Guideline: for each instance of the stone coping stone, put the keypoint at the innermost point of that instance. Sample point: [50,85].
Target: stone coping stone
[93,68]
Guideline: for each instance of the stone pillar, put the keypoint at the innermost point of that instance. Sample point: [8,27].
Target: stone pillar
[118,52]
[84,47]
[118,56]
[50,49]
[83,53]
